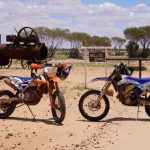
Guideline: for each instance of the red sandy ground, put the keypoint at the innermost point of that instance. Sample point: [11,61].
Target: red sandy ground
[118,131]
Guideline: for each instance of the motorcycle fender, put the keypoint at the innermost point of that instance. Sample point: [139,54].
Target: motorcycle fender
[56,79]
[100,79]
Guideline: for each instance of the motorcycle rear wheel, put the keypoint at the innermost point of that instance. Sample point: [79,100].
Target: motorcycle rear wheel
[147,110]
[92,106]
[59,110]
[6,109]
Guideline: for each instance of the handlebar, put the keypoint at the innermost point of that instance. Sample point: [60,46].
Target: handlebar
[35,67]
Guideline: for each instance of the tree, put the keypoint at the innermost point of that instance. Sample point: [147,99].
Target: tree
[139,35]
[132,48]
[133,34]
[145,40]
[53,38]
[99,41]
[75,39]
[118,43]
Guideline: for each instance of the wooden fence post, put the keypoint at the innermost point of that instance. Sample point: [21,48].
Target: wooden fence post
[140,68]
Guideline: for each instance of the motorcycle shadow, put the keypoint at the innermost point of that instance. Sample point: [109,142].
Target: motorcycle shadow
[119,119]
[124,119]
[49,121]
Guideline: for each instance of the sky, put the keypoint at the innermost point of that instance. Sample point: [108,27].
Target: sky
[95,17]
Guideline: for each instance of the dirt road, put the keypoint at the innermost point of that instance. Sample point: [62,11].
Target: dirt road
[118,131]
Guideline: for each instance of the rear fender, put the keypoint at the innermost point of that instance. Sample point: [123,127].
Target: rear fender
[3,77]
[100,79]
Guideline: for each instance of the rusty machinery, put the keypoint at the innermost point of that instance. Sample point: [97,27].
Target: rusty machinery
[25,46]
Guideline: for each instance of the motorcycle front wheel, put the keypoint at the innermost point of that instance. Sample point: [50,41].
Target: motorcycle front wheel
[6,109]
[91,108]
[59,110]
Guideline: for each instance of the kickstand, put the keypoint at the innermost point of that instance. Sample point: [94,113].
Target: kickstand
[31,111]
[137,112]
[139,103]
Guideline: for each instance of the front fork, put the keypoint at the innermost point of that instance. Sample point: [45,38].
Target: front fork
[104,90]
[51,92]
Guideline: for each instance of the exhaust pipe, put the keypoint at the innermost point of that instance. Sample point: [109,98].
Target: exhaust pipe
[9,100]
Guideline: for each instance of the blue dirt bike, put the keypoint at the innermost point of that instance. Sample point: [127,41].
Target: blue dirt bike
[94,104]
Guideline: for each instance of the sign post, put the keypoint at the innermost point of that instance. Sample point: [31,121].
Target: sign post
[93,57]
[105,65]
[85,57]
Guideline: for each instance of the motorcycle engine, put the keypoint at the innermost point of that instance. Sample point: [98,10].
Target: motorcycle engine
[130,101]
[30,95]
[126,94]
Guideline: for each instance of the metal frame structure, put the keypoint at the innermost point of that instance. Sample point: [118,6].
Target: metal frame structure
[108,59]
[23,46]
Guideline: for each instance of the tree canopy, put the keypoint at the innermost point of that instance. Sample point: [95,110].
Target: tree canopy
[53,38]
[76,38]
[99,41]
[139,35]
[118,42]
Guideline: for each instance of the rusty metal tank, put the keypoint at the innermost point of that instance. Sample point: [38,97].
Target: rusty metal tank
[10,51]
[25,46]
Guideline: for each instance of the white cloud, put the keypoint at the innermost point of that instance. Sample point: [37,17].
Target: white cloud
[1,5]
[141,7]
[104,19]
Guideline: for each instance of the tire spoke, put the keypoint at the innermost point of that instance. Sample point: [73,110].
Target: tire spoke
[91,108]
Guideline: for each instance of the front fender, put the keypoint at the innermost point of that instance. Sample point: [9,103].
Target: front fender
[56,79]
[100,79]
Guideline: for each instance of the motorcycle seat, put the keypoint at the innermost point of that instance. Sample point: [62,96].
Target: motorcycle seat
[23,79]
[139,80]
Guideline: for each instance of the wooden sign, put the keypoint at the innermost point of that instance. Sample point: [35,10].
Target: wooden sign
[97,57]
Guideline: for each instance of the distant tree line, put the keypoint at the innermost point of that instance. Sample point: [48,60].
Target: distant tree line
[56,38]
[135,38]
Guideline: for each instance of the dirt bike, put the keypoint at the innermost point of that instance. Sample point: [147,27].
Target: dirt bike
[30,90]
[94,104]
